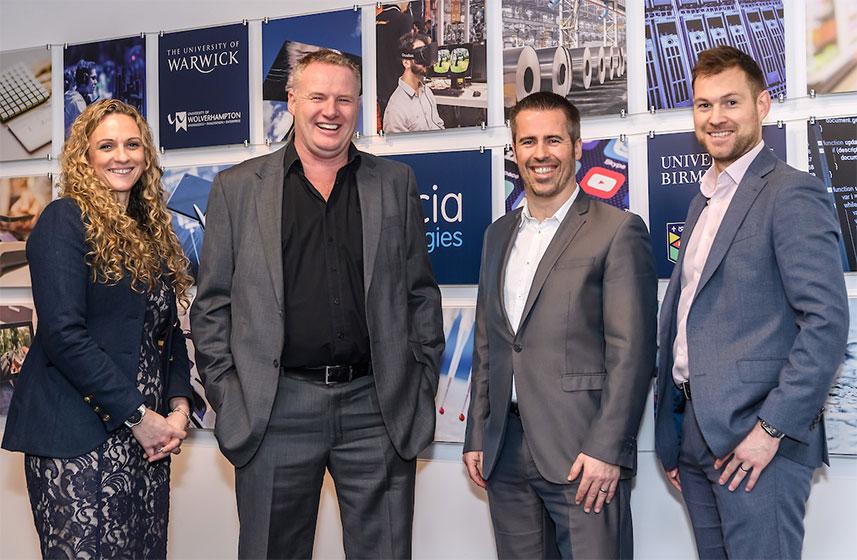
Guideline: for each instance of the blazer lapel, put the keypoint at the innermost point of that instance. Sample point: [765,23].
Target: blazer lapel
[269,209]
[569,227]
[370,186]
[752,183]
[507,236]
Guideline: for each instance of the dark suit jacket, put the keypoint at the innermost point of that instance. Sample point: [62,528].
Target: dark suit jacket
[79,380]
[584,353]
[237,317]
[767,328]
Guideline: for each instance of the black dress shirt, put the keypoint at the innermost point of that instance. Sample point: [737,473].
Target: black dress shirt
[325,312]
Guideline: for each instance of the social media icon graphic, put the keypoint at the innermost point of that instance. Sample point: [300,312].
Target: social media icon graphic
[180,121]
[602,183]
[617,150]
[674,231]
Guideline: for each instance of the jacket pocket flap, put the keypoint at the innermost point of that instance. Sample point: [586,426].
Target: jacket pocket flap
[583,381]
[761,370]
[574,263]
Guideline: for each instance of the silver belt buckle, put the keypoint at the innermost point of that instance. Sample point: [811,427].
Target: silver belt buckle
[327,375]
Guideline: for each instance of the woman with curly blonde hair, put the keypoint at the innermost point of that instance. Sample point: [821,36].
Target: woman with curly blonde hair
[104,394]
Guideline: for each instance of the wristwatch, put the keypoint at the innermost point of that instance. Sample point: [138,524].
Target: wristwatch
[771,431]
[136,417]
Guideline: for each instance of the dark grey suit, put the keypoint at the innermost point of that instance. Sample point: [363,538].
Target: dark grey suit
[237,317]
[583,358]
[765,334]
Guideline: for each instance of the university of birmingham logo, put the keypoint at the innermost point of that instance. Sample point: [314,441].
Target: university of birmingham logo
[674,231]
[180,121]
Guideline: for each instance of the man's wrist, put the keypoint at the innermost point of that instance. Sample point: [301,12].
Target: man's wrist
[771,430]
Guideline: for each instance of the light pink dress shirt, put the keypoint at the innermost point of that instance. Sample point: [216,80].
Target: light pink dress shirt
[719,189]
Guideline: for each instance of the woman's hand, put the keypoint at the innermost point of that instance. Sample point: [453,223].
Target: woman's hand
[158,435]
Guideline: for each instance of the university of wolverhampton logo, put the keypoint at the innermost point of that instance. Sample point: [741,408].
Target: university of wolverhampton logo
[674,231]
[180,120]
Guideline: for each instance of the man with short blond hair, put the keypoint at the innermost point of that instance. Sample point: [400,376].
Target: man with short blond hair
[318,330]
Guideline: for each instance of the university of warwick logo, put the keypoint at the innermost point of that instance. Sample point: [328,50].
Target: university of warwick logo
[674,231]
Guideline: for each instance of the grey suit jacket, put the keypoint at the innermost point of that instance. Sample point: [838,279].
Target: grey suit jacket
[584,353]
[769,320]
[237,316]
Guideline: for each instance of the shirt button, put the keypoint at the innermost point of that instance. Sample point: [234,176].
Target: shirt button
[336,301]
[340,335]
[517,348]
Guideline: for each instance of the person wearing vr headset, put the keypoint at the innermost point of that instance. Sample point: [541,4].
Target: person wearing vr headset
[412,106]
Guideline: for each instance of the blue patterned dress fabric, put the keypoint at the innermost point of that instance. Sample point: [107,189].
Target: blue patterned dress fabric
[110,502]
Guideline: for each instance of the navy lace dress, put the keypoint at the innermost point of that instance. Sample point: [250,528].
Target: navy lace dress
[110,502]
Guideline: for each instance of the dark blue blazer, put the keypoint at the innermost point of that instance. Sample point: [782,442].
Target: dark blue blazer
[78,382]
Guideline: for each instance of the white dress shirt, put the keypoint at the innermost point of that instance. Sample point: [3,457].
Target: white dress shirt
[531,242]
[410,110]
[719,190]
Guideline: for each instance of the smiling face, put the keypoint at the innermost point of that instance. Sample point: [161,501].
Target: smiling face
[325,104]
[728,115]
[546,155]
[116,154]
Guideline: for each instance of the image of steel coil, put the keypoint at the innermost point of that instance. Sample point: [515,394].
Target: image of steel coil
[677,31]
[574,48]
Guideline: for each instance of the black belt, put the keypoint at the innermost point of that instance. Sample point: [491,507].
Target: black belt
[328,375]
[513,409]
[685,389]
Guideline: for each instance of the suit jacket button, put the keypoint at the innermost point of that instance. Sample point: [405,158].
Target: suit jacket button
[106,418]
[276,363]
[96,408]
[517,348]
[87,399]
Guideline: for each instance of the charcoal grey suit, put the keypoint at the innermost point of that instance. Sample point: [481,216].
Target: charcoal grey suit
[582,357]
[237,323]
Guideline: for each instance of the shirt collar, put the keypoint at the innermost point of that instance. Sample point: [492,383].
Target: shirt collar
[558,216]
[291,157]
[408,89]
[735,171]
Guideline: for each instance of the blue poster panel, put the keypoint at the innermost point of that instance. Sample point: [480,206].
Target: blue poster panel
[602,173]
[574,49]
[284,42]
[203,87]
[676,165]
[17,328]
[677,31]
[453,393]
[455,188]
[442,81]
[104,70]
[187,191]
[840,412]
[833,159]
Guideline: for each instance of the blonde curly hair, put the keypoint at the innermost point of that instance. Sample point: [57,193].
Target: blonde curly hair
[139,240]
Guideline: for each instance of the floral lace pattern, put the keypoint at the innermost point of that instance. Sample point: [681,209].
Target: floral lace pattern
[110,502]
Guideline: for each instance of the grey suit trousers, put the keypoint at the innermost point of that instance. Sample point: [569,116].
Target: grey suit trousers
[314,427]
[764,523]
[528,512]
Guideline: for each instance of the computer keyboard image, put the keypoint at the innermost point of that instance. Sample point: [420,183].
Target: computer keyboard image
[19,91]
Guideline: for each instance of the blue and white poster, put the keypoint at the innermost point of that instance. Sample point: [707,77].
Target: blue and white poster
[602,173]
[284,42]
[455,188]
[676,165]
[204,89]
[453,392]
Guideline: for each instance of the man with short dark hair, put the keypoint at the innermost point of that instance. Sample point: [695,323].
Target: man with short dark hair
[82,94]
[318,329]
[563,356]
[412,107]
[753,327]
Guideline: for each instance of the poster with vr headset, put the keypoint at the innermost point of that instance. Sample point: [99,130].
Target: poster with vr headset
[202,80]
[577,52]
[284,42]
[431,65]
[104,70]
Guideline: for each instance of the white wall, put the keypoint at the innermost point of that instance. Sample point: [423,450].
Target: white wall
[451,519]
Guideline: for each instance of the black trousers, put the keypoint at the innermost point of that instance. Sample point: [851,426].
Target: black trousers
[314,428]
